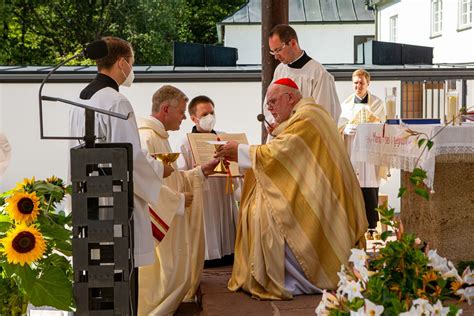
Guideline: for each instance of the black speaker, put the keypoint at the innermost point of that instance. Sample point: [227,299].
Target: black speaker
[220,56]
[382,53]
[413,54]
[189,54]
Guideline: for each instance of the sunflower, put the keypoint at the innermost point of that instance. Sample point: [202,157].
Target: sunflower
[23,207]
[24,244]
[26,185]
[56,181]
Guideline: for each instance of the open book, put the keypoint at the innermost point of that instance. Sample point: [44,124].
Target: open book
[203,151]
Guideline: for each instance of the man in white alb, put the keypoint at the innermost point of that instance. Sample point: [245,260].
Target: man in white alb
[219,208]
[312,78]
[363,107]
[103,92]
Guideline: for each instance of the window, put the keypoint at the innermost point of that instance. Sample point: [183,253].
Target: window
[465,14]
[393,28]
[436,17]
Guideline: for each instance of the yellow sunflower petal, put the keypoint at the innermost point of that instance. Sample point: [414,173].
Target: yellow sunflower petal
[23,244]
[26,184]
[23,207]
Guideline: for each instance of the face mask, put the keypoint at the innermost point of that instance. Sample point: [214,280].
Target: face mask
[128,79]
[207,122]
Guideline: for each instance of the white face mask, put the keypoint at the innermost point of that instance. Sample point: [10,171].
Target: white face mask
[128,79]
[207,122]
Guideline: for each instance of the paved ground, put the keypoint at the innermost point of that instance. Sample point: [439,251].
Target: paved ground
[216,300]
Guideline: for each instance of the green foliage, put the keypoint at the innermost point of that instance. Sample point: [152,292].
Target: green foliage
[45,279]
[462,265]
[199,17]
[394,278]
[45,32]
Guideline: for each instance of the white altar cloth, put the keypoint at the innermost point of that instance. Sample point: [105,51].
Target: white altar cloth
[390,146]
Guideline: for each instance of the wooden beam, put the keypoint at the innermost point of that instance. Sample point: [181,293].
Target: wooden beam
[273,12]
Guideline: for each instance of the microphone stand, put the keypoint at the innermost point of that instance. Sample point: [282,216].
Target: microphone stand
[89,136]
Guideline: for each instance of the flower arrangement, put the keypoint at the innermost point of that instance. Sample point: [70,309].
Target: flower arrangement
[403,277]
[35,243]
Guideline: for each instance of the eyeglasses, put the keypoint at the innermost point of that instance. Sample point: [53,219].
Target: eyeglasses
[271,103]
[278,50]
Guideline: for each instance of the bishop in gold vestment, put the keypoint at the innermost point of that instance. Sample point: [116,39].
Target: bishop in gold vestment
[302,208]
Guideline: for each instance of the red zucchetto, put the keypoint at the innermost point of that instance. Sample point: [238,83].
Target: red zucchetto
[287,82]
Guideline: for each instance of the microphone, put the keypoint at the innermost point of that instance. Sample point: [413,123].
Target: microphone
[261,118]
[96,50]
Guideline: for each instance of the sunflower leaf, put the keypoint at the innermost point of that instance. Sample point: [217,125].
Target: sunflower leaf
[53,289]
[64,246]
[58,261]
[52,230]
[22,274]
[5,223]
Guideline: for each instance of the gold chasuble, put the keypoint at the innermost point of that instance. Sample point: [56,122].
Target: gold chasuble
[179,245]
[301,191]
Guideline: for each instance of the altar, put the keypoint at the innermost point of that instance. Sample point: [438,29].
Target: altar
[446,221]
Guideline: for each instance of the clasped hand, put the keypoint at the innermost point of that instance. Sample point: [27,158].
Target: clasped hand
[229,151]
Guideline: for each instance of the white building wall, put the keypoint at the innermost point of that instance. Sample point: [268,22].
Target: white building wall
[330,43]
[414,27]
[237,105]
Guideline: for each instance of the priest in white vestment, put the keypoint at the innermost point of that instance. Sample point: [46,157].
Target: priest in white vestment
[219,207]
[179,239]
[312,79]
[103,92]
[363,107]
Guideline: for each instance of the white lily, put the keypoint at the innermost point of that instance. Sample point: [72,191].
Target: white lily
[437,309]
[343,277]
[359,312]
[353,290]
[330,299]
[322,310]
[363,272]
[414,311]
[467,294]
[451,273]
[421,304]
[468,276]
[372,309]
[358,257]
[437,262]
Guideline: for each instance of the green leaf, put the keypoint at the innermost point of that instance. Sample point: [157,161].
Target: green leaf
[54,289]
[385,235]
[23,275]
[64,246]
[421,142]
[58,261]
[423,193]
[429,144]
[401,192]
[5,226]
[55,231]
